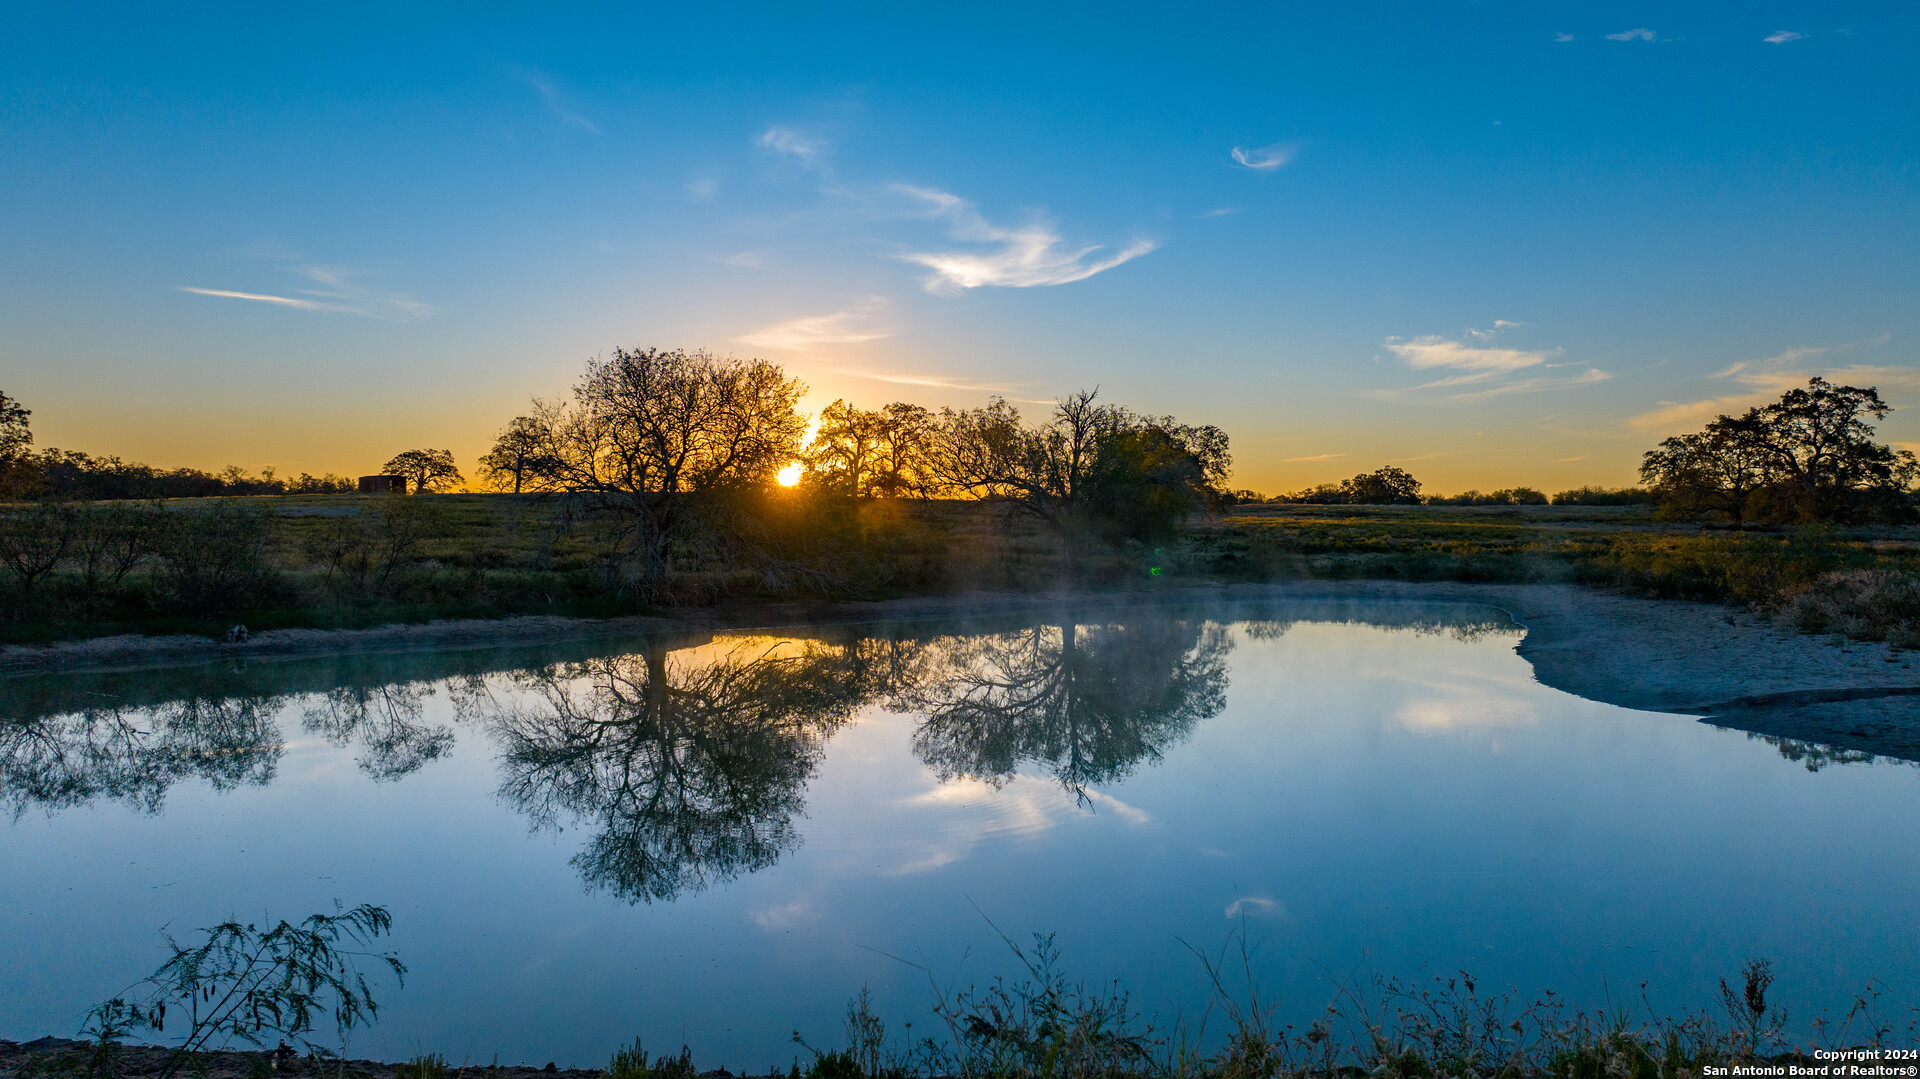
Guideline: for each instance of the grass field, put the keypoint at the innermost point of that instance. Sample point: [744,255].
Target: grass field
[346,561]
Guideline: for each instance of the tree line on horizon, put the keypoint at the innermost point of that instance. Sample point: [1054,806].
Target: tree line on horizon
[74,475]
[655,426]
[659,477]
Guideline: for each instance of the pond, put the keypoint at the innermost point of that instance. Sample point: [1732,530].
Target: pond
[717,841]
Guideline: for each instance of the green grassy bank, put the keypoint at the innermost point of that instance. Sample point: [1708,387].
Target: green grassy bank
[344,561]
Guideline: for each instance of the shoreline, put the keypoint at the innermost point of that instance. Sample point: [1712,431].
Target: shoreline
[1674,656]
[137,1059]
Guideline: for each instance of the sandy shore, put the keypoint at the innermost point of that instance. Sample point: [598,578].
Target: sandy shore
[1657,655]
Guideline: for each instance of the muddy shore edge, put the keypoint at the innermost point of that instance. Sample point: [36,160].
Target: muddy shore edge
[1699,659]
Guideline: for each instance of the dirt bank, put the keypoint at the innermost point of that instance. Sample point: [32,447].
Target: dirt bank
[1657,655]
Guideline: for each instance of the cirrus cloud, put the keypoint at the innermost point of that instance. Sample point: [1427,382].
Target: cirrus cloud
[337,293]
[852,326]
[1265,158]
[1756,382]
[1480,368]
[1026,256]
[1433,350]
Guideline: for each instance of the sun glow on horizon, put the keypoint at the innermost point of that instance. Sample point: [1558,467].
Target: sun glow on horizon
[790,475]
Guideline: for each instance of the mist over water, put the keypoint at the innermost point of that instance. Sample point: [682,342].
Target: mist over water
[716,841]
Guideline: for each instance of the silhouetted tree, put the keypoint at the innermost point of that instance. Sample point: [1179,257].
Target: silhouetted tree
[1386,485]
[1809,456]
[888,452]
[906,439]
[1085,459]
[1714,471]
[516,455]
[661,439]
[16,446]
[425,470]
[844,450]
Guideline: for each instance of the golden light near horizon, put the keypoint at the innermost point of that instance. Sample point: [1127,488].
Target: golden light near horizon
[790,475]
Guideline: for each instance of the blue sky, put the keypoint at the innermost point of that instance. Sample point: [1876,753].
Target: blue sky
[1495,243]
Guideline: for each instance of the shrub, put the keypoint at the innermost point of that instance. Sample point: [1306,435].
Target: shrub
[109,540]
[1877,604]
[1604,496]
[33,542]
[242,983]
[1758,571]
[215,561]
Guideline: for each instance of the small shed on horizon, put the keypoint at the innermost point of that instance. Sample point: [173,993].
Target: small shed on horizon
[383,485]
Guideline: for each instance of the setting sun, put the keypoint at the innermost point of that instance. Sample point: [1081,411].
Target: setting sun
[790,475]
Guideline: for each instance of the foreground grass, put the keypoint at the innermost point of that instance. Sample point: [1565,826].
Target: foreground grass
[1043,1026]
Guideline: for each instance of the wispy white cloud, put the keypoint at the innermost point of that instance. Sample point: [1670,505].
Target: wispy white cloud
[1221,212]
[1540,384]
[1499,324]
[1679,415]
[1763,380]
[1638,33]
[1781,37]
[850,327]
[1022,257]
[555,103]
[261,297]
[703,189]
[1432,350]
[1312,457]
[339,293]
[746,260]
[1483,369]
[804,146]
[944,382]
[1563,37]
[1265,158]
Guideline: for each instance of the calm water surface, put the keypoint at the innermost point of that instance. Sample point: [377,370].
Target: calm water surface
[717,841]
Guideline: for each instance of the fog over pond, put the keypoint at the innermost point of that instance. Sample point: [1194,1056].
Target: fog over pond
[717,840]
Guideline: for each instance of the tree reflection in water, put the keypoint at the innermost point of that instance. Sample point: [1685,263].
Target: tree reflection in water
[387,722]
[692,772]
[1089,703]
[688,766]
[69,759]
